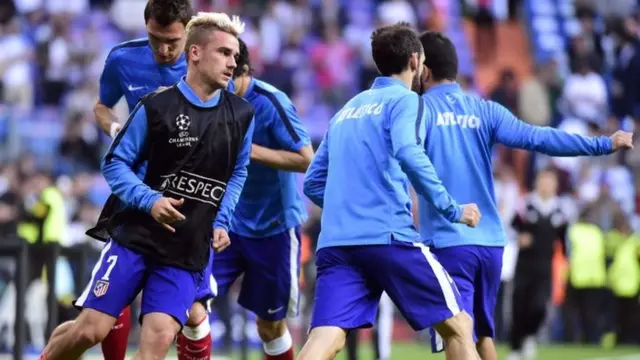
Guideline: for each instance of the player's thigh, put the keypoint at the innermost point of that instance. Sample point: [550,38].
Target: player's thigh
[227,266]
[487,287]
[171,291]
[345,296]
[416,282]
[270,287]
[115,281]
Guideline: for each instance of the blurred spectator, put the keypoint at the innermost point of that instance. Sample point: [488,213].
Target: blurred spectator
[15,71]
[506,91]
[80,148]
[541,224]
[585,93]
[588,42]
[624,276]
[468,86]
[625,91]
[57,65]
[392,11]
[534,106]
[587,281]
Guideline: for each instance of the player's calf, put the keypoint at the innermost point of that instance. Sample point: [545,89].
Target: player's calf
[70,340]
[114,346]
[457,334]
[276,339]
[156,337]
[194,341]
[324,343]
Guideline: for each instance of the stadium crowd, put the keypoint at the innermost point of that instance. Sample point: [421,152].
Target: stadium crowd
[318,52]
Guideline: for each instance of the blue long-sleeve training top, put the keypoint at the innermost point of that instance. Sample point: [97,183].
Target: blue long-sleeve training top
[359,173]
[461,130]
[128,150]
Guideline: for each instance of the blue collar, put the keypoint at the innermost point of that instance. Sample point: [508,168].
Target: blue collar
[194,99]
[445,88]
[383,81]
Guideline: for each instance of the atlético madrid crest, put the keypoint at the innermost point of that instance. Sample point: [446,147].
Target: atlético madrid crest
[100,288]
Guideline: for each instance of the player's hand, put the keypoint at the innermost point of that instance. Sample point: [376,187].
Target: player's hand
[525,240]
[220,240]
[470,215]
[115,129]
[622,140]
[165,212]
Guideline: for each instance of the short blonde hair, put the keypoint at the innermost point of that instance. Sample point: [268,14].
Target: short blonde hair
[215,21]
[205,22]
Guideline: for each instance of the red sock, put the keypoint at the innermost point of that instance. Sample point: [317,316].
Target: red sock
[114,346]
[287,355]
[194,343]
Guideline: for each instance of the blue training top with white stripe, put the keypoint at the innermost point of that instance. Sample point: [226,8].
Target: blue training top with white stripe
[360,173]
[461,130]
[270,202]
[131,71]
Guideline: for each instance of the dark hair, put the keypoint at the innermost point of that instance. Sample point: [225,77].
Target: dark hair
[392,47]
[166,12]
[243,62]
[440,56]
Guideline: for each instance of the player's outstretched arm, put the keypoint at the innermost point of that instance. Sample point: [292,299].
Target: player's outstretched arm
[236,183]
[110,93]
[315,179]
[513,132]
[291,135]
[117,166]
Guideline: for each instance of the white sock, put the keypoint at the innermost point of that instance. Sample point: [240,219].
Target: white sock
[279,346]
[199,331]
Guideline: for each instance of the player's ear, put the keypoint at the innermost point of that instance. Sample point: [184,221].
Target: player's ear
[426,73]
[414,62]
[194,52]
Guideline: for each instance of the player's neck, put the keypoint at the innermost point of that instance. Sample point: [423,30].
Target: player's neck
[242,84]
[203,91]
[406,77]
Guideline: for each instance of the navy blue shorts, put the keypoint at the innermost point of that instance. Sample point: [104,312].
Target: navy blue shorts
[119,276]
[271,268]
[351,280]
[476,271]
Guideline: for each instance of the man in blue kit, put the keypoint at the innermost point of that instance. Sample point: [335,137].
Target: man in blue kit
[133,69]
[368,243]
[265,230]
[195,138]
[461,130]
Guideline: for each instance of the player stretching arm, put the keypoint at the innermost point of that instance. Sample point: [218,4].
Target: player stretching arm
[461,130]
[368,243]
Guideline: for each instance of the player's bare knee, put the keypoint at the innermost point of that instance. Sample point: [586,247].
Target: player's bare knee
[91,327]
[460,325]
[196,315]
[271,330]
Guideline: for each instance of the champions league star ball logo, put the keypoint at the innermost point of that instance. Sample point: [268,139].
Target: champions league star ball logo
[183,122]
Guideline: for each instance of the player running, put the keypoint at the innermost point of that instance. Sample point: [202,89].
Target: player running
[265,230]
[134,69]
[368,243]
[461,131]
[196,140]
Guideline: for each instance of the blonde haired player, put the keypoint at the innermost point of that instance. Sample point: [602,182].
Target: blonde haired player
[160,231]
